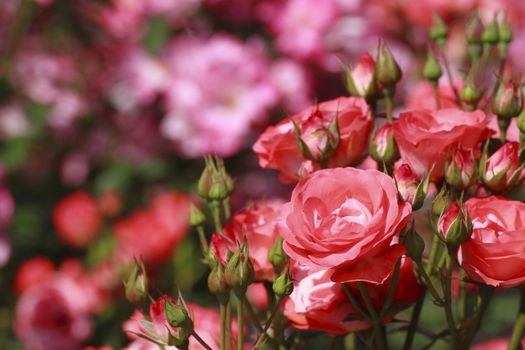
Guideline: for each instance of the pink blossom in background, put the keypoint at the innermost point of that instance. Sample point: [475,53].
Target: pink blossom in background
[53,316]
[13,121]
[293,83]
[212,103]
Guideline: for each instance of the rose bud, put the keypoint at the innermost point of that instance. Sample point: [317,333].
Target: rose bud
[470,96]
[473,32]
[414,244]
[501,171]
[276,255]
[239,272]
[507,102]
[441,202]
[432,69]
[453,227]
[407,182]
[383,147]
[214,183]
[387,70]
[461,172]
[316,141]
[216,280]
[137,283]
[177,316]
[360,81]
[490,35]
[439,31]
[283,285]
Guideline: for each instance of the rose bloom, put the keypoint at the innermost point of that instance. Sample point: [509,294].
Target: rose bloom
[259,224]
[53,315]
[426,138]
[494,253]
[319,303]
[277,148]
[345,219]
[77,220]
[154,232]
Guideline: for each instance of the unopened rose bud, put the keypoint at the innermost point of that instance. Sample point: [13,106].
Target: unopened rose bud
[508,100]
[490,35]
[178,317]
[504,31]
[501,171]
[239,272]
[414,244]
[440,202]
[383,147]
[439,31]
[283,285]
[461,171]
[197,217]
[217,283]
[319,140]
[454,227]
[360,81]
[470,95]
[137,284]
[214,184]
[432,70]
[407,182]
[387,71]
[474,31]
[276,255]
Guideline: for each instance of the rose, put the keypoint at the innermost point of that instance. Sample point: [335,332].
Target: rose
[33,272]
[319,303]
[502,169]
[53,315]
[425,138]
[345,219]
[277,147]
[77,219]
[494,253]
[259,225]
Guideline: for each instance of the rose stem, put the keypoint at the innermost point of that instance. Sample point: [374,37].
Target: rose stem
[519,326]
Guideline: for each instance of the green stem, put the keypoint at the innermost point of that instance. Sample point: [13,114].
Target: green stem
[391,291]
[414,320]
[389,107]
[462,301]
[264,334]
[226,208]
[433,254]
[378,328]
[485,296]
[222,311]
[431,288]
[203,241]
[354,301]
[448,73]
[200,340]
[447,290]
[519,325]
[229,324]
[240,324]
[216,211]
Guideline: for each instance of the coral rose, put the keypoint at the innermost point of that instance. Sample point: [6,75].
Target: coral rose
[426,138]
[277,147]
[345,219]
[494,253]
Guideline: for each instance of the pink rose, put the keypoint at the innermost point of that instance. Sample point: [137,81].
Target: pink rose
[34,271]
[345,219]
[494,253]
[502,169]
[259,224]
[407,182]
[426,138]
[318,303]
[53,315]
[277,147]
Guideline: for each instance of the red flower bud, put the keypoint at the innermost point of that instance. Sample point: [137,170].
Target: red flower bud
[461,171]
[501,171]
[454,227]
[407,182]
[383,147]
[361,79]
